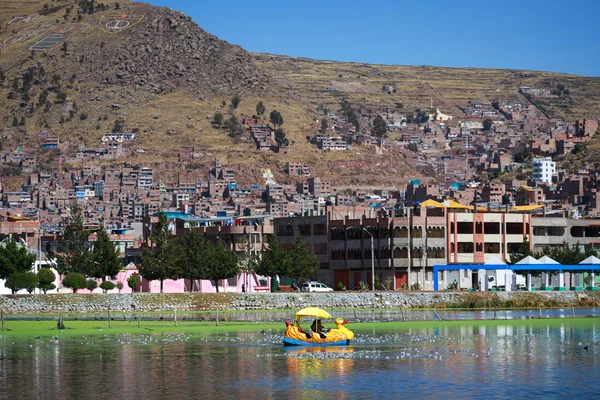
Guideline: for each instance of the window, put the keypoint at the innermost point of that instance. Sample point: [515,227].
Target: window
[514,228]
[401,232]
[466,273]
[337,234]
[285,230]
[320,248]
[465,247]
[492,248]
[304,229]
[465,227]
[320,229]
[491,228]
[336,254]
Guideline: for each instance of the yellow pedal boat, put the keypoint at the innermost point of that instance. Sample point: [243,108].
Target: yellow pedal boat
[296,336]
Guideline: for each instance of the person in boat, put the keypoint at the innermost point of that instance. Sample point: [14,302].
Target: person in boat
[317,327]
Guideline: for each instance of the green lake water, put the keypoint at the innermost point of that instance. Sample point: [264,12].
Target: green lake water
[495,359]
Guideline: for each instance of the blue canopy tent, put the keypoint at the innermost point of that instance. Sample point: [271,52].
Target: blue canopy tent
[514,267]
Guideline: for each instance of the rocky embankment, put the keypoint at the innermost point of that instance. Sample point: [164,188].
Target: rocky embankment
[54,303]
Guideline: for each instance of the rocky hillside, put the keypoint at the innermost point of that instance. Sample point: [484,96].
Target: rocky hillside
[147,48]
[78,69]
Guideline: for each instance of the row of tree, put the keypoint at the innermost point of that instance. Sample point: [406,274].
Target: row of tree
[188,257]
[564,254]
[194,257]
[98,259]
[16,264]
[235,128]
[297,262]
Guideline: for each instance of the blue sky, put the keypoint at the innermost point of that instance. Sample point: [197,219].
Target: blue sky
[549,35]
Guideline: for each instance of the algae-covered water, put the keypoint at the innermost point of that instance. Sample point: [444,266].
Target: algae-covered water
[499,359]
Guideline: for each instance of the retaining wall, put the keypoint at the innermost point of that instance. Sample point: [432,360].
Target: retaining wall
[53,303]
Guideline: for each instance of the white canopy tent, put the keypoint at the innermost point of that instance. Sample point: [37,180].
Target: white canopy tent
[561,276]
[528,261]
[591,260]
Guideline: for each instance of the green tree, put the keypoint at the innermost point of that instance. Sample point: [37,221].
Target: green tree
[14,282]
[14,258]
[304,264]
[235,101]
[413,147]
[196,252]
[105,257]
[324,124]
[280,137]
[260,108]
[27,280]
[133,281]
[379,127]
[487,124]
[272,260]
[74,281]
[43,97]
[91,285]
[420,117]
[523,252]
[158,262]
[234,127]
[74,254]
[46,279]
[107,285]
[118,126]
[30,281]
[222,264]
[218,119]
[350,114]
[276,118]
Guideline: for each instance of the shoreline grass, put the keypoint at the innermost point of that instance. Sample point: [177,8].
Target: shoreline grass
[39,329]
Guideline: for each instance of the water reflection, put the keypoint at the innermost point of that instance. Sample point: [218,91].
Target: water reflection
[442,360]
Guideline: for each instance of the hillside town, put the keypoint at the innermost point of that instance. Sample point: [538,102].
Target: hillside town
[486,171]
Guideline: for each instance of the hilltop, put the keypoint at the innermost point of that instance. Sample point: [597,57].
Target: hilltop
[75,72]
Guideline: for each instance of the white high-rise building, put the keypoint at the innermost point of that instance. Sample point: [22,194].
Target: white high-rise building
[543,169]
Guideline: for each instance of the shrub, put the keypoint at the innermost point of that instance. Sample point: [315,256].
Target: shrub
[46,279]
[91,284]
[22,280]
[341,286]
[107,285]
[119,286]
[388,282]
[415,286]
[74,281]
[133,281]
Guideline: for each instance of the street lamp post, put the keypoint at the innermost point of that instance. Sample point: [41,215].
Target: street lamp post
[372,260]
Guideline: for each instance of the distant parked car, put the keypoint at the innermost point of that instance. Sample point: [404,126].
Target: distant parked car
[316,287]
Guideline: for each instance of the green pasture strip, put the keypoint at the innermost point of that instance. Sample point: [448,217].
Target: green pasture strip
[32,329]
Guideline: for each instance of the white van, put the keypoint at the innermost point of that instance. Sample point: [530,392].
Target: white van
[316,287]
